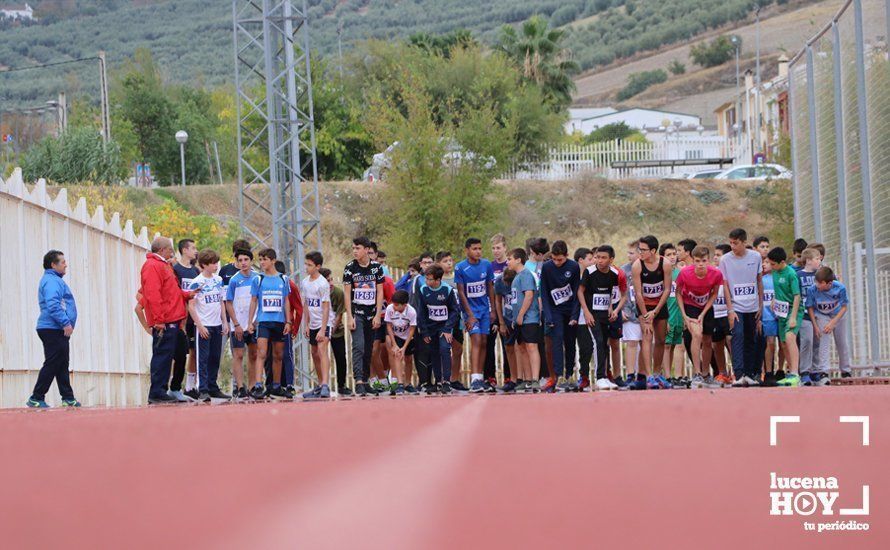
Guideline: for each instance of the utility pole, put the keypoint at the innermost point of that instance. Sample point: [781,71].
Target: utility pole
[340,48]
[103,91]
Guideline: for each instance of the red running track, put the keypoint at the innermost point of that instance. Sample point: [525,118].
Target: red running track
[667,469]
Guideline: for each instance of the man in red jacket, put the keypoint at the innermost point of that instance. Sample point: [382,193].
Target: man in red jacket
[164,303]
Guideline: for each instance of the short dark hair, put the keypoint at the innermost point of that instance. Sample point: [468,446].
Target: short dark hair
[268,253]
[280,267]
[435,271]
[442,254]
[362,241]
[400,297]
[539,245]
[738,234]
[651,241]
[799,246]
[519,254]
[51,258]
[244,252]
[688,245]
[471,241]
[725,248]
[414,263]
[315,257]
[777,254]
[183,243]
[207,257]
[760,239]
[607,249]
[825,275]
[665,247]
[373,246]
[240,244]
[324,272]
[581,252]
[559,248]
[425,255]
[508,276]
[381,254]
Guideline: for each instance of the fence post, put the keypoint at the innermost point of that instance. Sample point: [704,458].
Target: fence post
[814,145]
[859,301]
[795,168]
[865,169]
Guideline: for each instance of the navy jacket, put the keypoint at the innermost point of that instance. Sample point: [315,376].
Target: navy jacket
[560,284]
[437,311]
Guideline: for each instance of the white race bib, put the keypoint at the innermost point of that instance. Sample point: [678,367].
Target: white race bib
[616,295]
[476,289]
[365,296]
[601,302]
[674,289]
[186,283]
[699,301]
[826,307]
[561,295]
[313,303]
[272,304]
[749,289]
[768,296]
[781,308]
[651,290]
[438,313]
[211,298]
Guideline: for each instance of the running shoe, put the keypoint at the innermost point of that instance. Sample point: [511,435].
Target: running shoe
[791,380]
[258,393]
[193,394]
[822,380]
[313,393]
[491,385]
[41,404]
[411,390]
[549,386]
[585,383]
[664,383]
[325,391]
[430,389]
[344,391]
[361,389]
[379,387]
[204,397]
[476,386]
[619,382]
[161,400]
[509,387]
[805,379]
[652,383]
[533,386]
[564,385]
[639,383]
[631,378]
[697,381]
[709,383]
[218,394]
[445,387]
[290,391]
[753,381]
[180,397]
[724,380]
[279,394]
[780,374]
[603,384]
[846,375]
[740,382]
[769,380]
[458,386]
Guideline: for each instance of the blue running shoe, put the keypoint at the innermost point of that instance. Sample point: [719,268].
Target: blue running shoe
[477,386]
[805,379]
[36,403]
[652,383]
[637,384]
[663,383]
[70,403]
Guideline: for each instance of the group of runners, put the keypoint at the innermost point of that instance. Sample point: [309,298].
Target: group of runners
[563,321]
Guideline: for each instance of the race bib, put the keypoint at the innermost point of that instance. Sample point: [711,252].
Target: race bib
[749,289]
[272,304]
[601,302]
[616,295]
[211,298]
[632,294]
[561,295]
[313,302]
[768,296]
[826,307]
[674,289]
[365,296]
[438,313]
[651,290]
[699,301]
[719,301]
[186,283]
[781,308]
[476,290]
[514,296]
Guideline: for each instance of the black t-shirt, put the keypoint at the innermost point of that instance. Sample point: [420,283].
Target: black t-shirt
[364,282]
[598,290]
[226,272]
[185,275]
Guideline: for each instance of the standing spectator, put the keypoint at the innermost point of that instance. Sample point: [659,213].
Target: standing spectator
[164,303]
[58,315]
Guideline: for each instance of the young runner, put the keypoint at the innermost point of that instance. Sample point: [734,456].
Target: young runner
[207,310]
[721,325]
[525,299]
[475,289]
[809,343]
[363,292]
[585,258]
[401,323]
[380,380]
[761,245]
[404,282]
[446,260]
[652,284]
[436,317]
[770,328]
[238,308]
[270,314]
[631,332]
[788,312]
[595,294]
[316,293]
[538,250]
[615,328]
[743,290]
[797,249]
[504,304]
[229,270]
[338,335]
[684,252]
[560,278]
[421,357]
[184,359]
[697,287]
[827,304]
[498,265]
[674,336]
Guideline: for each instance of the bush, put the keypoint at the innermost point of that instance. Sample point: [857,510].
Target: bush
[676,68]
[638,82]
[717,52]
[172,220]
[609,132]
[77,155]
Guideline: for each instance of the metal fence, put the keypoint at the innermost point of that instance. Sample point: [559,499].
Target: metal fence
[839,87]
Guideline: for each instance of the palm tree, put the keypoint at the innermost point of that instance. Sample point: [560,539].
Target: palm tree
[537,51]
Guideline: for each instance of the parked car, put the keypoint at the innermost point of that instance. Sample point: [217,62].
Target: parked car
[755,172]
[706,174]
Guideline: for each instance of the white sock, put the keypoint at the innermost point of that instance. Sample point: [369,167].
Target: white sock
[374,379]
[190,380]
[474,377]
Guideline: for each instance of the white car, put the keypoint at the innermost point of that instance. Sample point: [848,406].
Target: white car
[706,174]
[755,172]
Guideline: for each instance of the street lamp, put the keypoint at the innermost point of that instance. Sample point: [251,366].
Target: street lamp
[182,137]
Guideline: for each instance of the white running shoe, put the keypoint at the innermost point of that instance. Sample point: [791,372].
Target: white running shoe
[697,381]
[605,384]
[180,397]
[741,382]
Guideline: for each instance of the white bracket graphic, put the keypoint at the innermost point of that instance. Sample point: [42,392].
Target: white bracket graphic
[865,440]
[858,511]
[773,421]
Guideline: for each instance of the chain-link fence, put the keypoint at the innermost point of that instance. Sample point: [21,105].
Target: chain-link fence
[839,87]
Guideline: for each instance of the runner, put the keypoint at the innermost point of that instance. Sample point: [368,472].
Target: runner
[185,271]
[538,249]
[809,343]
[770,329]
[316,293]
[401,323]
[421,357]
[585,258]
[595,294]
[338,335]
[684,252]
[229,270]
[207,310]
[721,325]
[560,278]
[631,332]
[674,336]
[446,260]
[652,282]
[363,292]
[436,317]
[380,380]
[498,265]
[797,249]
[525,299]
[697,287]
[743,290]
[761,245]
[786,307]
[504,304]
[615,328]
[475,289]
[269,315]
[827,303]
[238,308]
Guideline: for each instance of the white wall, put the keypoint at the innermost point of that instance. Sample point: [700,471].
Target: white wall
[638,119]
[110,352]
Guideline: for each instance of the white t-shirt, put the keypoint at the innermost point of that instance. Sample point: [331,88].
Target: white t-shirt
[400,321]
[741,276]
[315,293]
[209,299]
[720,310]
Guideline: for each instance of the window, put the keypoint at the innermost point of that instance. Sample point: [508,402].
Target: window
[741,173]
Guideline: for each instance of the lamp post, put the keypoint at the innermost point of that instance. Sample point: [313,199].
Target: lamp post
[736,42]
[182,137]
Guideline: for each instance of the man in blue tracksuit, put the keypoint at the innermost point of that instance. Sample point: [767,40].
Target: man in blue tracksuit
[560,277]
[58,315]
[437,315]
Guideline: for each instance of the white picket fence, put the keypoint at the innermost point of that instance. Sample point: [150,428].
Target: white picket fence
[573,161]
[110,353]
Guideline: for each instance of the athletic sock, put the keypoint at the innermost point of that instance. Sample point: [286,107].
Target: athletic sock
[190,381]
[474,377]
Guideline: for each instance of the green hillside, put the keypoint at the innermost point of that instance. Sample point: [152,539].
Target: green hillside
[192,39]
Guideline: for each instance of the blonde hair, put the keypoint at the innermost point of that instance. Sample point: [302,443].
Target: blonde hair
[810,254]
[499,238]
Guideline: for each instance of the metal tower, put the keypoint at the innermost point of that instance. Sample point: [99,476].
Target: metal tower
[277,169]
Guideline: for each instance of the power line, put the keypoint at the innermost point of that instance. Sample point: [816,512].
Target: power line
[45,65]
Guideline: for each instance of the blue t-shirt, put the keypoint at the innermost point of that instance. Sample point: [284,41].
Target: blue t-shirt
[239,292]
[271,293]
[807,280]
[829,301]
[769,294]
[501,289]
[524,282]
[475,278]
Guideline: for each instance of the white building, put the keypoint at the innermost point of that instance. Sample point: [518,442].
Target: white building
[578,115]
[638,119]
[17,12]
